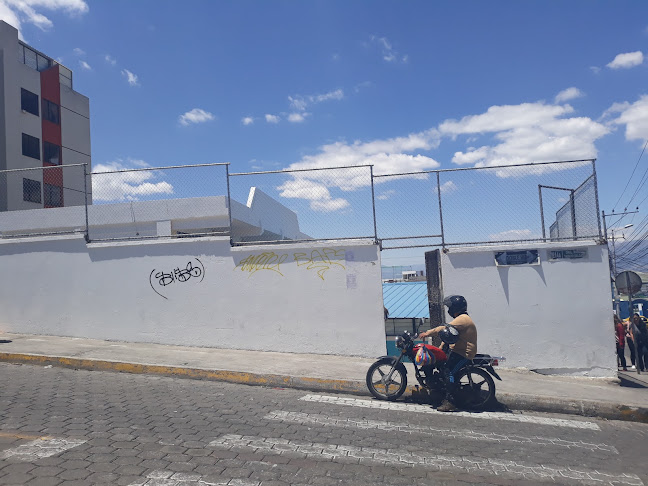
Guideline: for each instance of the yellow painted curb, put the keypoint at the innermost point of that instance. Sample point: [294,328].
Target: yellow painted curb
[239,377]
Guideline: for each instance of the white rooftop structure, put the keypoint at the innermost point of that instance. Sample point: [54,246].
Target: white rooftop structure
[261,218]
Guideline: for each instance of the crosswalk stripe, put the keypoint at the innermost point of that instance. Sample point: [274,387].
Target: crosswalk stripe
[411,407]
[324,420]
[457,464]
[40,448]
[172,478]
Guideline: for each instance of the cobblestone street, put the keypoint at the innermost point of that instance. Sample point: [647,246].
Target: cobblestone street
[60,426]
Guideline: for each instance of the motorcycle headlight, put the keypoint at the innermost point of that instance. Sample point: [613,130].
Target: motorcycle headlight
[399,342]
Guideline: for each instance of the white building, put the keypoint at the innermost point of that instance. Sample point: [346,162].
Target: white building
[44,123]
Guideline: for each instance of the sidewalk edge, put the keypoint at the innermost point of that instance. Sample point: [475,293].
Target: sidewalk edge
[586,408]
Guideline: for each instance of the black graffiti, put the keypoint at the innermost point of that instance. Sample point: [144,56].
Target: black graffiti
[181,275]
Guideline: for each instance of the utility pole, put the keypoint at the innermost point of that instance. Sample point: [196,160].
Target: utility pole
[612,261]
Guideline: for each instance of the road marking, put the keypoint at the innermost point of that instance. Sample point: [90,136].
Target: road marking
[412,407]
[40,448]
[463,464]
[319,419]
[171,478]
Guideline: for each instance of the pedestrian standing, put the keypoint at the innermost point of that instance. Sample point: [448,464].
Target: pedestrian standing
[620,332]
[640,333]
[630,342]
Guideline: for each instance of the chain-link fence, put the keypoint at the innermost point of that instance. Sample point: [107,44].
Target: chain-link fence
[154,202]
[519,203]
[407,209]
[312,204]
[575,219]
[59,189]
[551,201]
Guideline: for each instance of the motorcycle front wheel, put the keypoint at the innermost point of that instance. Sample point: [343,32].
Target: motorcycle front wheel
[384,389]
[476,388]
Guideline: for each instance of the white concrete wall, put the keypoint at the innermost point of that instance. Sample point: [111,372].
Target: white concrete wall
[308,298]
[555,317]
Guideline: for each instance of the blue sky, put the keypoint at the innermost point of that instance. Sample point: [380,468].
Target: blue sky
[402,85]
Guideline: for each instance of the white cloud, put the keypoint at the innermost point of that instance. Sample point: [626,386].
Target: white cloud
[510,134]
[78,51]
[110,60]
[315,192]
[514,234]
[126,186]
[525,133]
[297,117]
[85,65]
[383,196]
[389,54]
[595,69]
[132,78]
[195,116]
[634,116]
[448,187]
[389,156]
[506,117]
[15,12]
[568,94]
[301,102]
[472,156]
[362,85]
[272,118]
[248,120]
[627,60]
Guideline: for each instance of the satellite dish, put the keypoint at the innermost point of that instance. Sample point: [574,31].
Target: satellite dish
[628,283]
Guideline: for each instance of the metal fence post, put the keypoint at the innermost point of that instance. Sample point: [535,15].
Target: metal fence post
[596,198]
[440,211]
[85,193]
[373,204]
[229,203]
[573,213]
[544,237]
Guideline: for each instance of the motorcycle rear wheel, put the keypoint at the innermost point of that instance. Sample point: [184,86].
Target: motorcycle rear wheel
[476,388]
[386,390]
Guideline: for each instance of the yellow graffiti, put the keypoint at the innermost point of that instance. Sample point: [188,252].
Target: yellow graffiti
[320,260]
[268,260]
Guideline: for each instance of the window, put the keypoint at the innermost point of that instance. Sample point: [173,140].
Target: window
[30,146]
[29,101]
[53,195]
[51,112]
[51,153]
[31,190]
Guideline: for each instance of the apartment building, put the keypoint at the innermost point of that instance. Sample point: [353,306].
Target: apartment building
[44,124]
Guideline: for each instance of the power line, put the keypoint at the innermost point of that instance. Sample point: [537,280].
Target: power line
[630,179]
[644,177]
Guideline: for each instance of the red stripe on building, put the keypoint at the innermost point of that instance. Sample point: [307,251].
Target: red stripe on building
[51,91]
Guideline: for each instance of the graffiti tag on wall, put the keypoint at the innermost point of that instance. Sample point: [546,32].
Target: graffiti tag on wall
[267,260]
[194,270]
[320,261]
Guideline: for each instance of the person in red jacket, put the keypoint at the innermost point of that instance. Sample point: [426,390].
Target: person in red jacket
[620,331]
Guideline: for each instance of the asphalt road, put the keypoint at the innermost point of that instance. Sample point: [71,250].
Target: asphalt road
[60,426]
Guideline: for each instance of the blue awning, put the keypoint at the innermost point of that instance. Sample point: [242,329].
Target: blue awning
[406,300]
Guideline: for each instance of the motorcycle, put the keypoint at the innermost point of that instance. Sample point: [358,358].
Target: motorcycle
[475,388]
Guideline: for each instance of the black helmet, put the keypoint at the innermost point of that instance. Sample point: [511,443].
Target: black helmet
[449,334]
[456,305]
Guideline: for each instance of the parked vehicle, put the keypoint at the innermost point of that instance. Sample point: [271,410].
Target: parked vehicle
[387,377]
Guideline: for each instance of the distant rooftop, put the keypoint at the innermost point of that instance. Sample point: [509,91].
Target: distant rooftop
[406,300]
